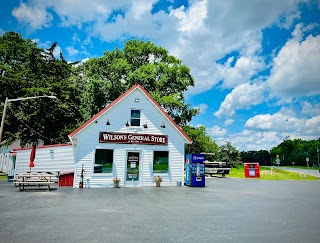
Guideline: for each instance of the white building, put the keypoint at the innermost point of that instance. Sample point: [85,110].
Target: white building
[8,157]
[49,158]
[132,139]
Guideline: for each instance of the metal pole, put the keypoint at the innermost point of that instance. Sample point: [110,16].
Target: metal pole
[318,159]
[3,115]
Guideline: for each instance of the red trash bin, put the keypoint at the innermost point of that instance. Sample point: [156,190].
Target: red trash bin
[251,170]
[66,179]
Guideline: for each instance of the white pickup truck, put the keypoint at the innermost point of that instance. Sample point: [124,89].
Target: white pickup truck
[211,168]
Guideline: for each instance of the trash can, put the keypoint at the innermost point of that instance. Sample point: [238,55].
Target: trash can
[251,170]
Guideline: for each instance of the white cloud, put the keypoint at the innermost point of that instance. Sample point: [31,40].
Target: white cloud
[255,140]
[192,18]
[286,123]
[228,122]
[56,51]
[140,8]
[312,126]
[310,109]
[84,60]
[288,18]
[78,12]
[275,122]
[35,16]
[245,67]
[1,32]
[296,71]
[243,96]
[199,34]
[72,51]
[217,131]
[202,107]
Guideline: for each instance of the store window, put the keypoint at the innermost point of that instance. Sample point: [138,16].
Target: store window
[135,118]
[160,161]
[103,161]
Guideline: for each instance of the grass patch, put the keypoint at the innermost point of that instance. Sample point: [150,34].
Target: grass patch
[265,174]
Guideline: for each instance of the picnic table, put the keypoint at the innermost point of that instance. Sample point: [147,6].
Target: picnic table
[38,179]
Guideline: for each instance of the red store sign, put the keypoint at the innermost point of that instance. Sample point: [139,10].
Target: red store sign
[113,137]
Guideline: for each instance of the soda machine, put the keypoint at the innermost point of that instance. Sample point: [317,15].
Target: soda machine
[195,170]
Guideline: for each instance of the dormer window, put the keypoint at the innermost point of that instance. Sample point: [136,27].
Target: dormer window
[135,118]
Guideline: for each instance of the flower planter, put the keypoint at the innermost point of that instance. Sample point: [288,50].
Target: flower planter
[158,183]
[116,185]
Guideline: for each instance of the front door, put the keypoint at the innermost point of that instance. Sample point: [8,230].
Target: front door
[132,175]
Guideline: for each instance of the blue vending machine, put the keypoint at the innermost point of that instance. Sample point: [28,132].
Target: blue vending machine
[195,170]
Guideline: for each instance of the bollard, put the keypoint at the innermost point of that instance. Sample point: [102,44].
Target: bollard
[178,183]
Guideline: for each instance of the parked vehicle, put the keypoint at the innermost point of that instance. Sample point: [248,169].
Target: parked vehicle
[216,167]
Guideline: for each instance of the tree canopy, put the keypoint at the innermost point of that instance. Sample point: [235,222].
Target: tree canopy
[82,90]
[261,156]
[201,141]
[28,71]
[295,152]
[162,75]
[229,154]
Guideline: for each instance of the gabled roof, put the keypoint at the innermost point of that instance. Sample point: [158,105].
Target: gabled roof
[137,86]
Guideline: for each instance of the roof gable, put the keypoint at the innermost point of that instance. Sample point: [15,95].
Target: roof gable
[121,97]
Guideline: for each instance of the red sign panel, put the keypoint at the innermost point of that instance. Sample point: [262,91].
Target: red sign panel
[113,137]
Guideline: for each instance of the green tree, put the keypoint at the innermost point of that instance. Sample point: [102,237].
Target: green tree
[31,71]
[201,141]
[162,75]
[296,151]
[228,153]
[261,156]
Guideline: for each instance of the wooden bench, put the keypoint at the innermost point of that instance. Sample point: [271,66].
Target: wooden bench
[34,179]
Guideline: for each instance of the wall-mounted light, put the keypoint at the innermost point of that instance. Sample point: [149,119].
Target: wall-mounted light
[108,123]
[136,100]
[145,125]
[163,125]
[127,124]
[96,121]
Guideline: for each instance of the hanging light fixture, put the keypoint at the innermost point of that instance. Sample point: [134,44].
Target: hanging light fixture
[163,125]
[145,125]
[127,124]
[108,123]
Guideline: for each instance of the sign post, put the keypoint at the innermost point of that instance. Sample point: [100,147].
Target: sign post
[278,160]
[318,152]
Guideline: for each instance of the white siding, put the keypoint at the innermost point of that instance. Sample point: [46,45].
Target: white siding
[118,115]
[6,162]
[49,159]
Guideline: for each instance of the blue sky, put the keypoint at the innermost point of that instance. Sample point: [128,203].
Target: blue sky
[256,62]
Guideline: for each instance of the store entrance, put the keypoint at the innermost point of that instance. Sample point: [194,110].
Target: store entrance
[133,162]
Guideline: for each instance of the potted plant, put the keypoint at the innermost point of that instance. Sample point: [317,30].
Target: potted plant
[116,182]
[157,180]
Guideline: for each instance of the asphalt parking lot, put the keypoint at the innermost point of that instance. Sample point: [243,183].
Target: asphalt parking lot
[228,210]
